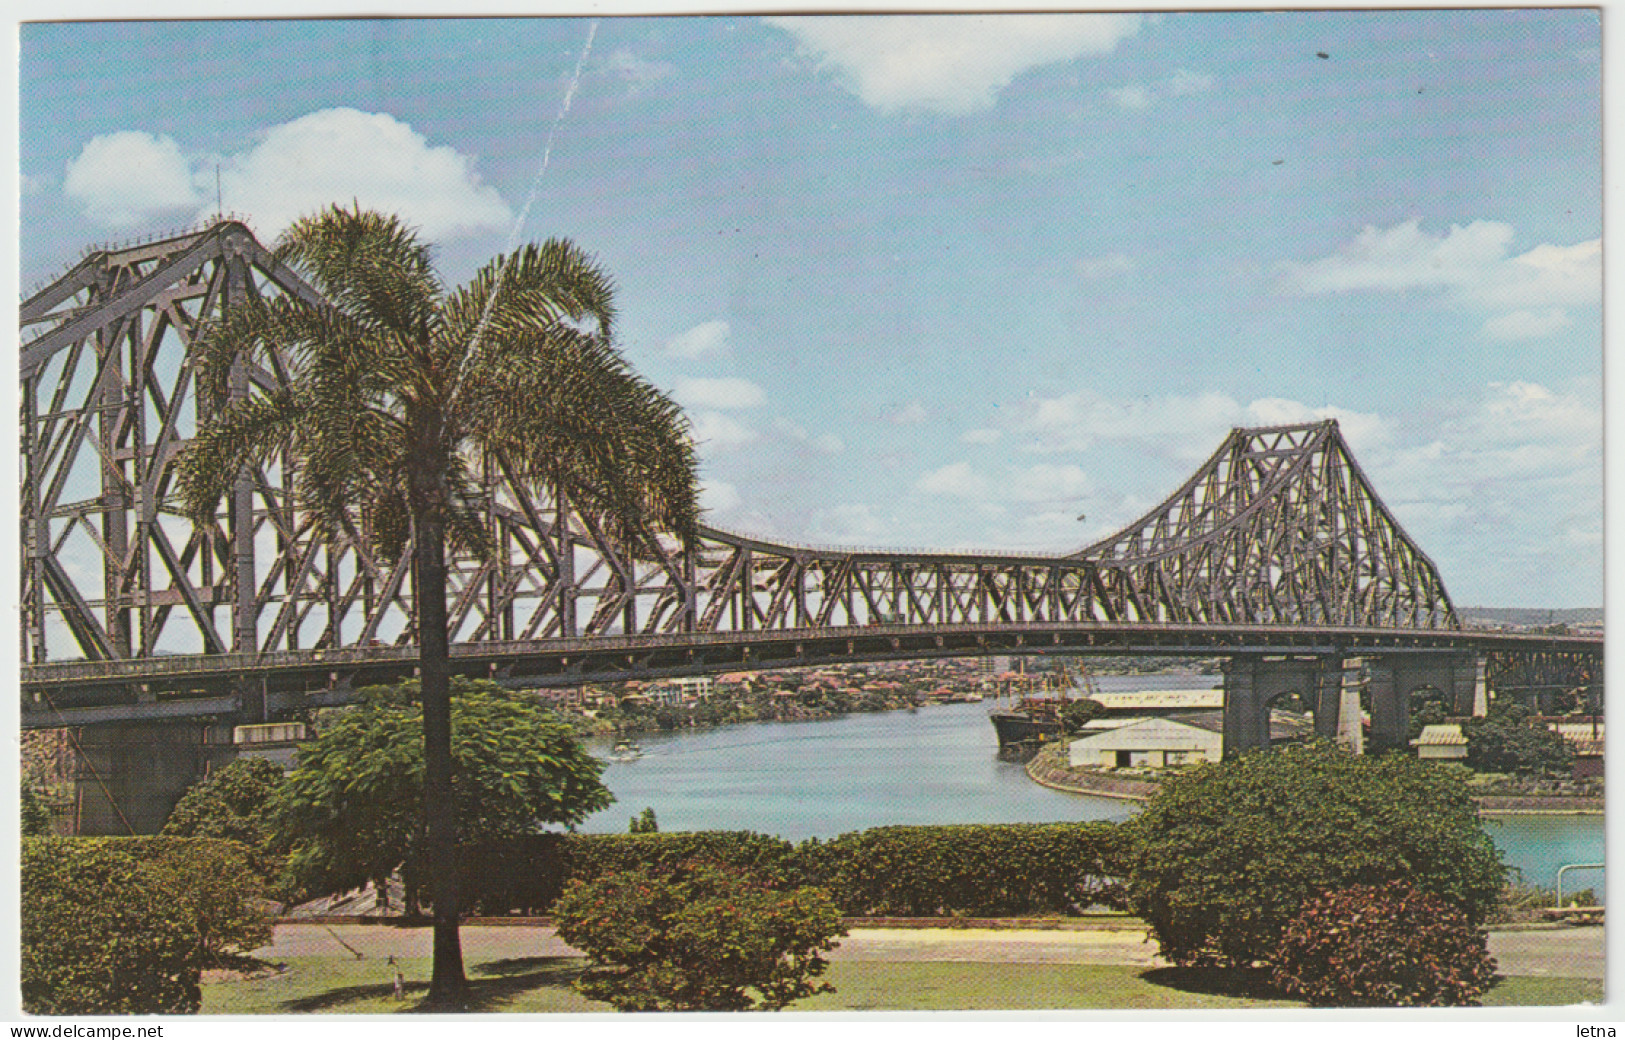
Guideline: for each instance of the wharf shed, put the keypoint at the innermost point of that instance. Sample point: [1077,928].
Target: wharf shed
[1168,740]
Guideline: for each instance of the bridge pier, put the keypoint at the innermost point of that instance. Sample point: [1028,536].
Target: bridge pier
[129,775]
[1253,681]
[1393,678]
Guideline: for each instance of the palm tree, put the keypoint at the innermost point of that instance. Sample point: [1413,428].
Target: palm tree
[394,387]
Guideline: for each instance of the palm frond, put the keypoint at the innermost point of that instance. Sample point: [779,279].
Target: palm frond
[393,390]
[368,265]
[247,432]
[568,413]
[557,279]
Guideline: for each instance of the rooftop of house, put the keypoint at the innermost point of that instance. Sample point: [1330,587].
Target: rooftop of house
[1446,734]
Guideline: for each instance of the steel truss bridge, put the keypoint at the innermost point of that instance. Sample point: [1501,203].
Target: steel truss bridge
[1277,549]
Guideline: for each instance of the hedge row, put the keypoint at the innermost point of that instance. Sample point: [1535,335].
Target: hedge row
[955,871]
[994,870]
[127,925]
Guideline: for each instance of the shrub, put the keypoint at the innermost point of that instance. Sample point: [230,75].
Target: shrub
[987,870]
[126,925]
[698,937]
[237,803]
[526,873]
[1505,743]
[1388,946]
[1225,856]
[965,871]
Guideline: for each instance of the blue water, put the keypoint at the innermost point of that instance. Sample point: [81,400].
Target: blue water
[937,765]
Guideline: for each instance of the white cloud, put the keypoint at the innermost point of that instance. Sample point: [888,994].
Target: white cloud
[1132,96]
[31,184]
[1077,421]
[718,496]
[1522,325]
[1473,262]
[954,64]
[720,432]
[985,435]
[911,414]
[707,339]
[725,394]
[126,177]
[1091,268]
[1184,83]
[1360,429]
[848,522]
[827,443]
[1048,483]
[1181,427]
[340,155]
[956,480]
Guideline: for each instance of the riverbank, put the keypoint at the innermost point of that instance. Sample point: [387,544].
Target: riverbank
[1050,768]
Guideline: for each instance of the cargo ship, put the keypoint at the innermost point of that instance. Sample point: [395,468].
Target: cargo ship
[1034,716]
[1027,724]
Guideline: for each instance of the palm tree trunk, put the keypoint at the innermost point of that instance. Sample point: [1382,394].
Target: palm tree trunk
[448,988]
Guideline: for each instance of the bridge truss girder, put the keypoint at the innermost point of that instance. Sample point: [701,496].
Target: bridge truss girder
[1279,527]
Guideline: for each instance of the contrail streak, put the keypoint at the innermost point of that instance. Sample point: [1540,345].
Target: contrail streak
[535,191]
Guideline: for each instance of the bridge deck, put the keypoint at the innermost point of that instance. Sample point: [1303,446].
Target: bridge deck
[92,691]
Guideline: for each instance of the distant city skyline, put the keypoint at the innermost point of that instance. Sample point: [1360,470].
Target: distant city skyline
[957,281]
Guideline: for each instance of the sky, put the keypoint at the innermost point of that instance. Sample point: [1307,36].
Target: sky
[956,281]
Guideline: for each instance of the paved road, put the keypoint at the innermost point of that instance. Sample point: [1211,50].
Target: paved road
[1571,952]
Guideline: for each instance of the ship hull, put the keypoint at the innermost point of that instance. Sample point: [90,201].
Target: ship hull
[1016,728]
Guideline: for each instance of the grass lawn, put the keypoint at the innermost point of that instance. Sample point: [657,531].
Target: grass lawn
[542,984]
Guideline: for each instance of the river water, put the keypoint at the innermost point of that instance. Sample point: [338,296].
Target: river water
[935,765]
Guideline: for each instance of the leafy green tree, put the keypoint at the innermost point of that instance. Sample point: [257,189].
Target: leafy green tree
[1505,743]
[1225,856]
[36,818]
[702,937]
[1428,707]
[352,810]
[645,822]
[396,385]
[1078,714]
[236,803]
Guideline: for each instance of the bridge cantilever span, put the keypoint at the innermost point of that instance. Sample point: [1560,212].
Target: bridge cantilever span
[123,598]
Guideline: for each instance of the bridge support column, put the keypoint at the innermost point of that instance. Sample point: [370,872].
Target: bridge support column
[1393,678]
[1329,697]
[1350,722]
[1245,724]
[129,776]
[1481,687]
[1252,681]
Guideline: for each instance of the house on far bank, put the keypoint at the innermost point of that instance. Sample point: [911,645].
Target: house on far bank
[1587,740]
[1441,743]
[1169,740]
[693,688]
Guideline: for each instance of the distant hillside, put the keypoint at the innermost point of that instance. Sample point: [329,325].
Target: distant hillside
[1530,615]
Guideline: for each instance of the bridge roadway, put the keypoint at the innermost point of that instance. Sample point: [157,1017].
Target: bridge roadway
[260,684]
